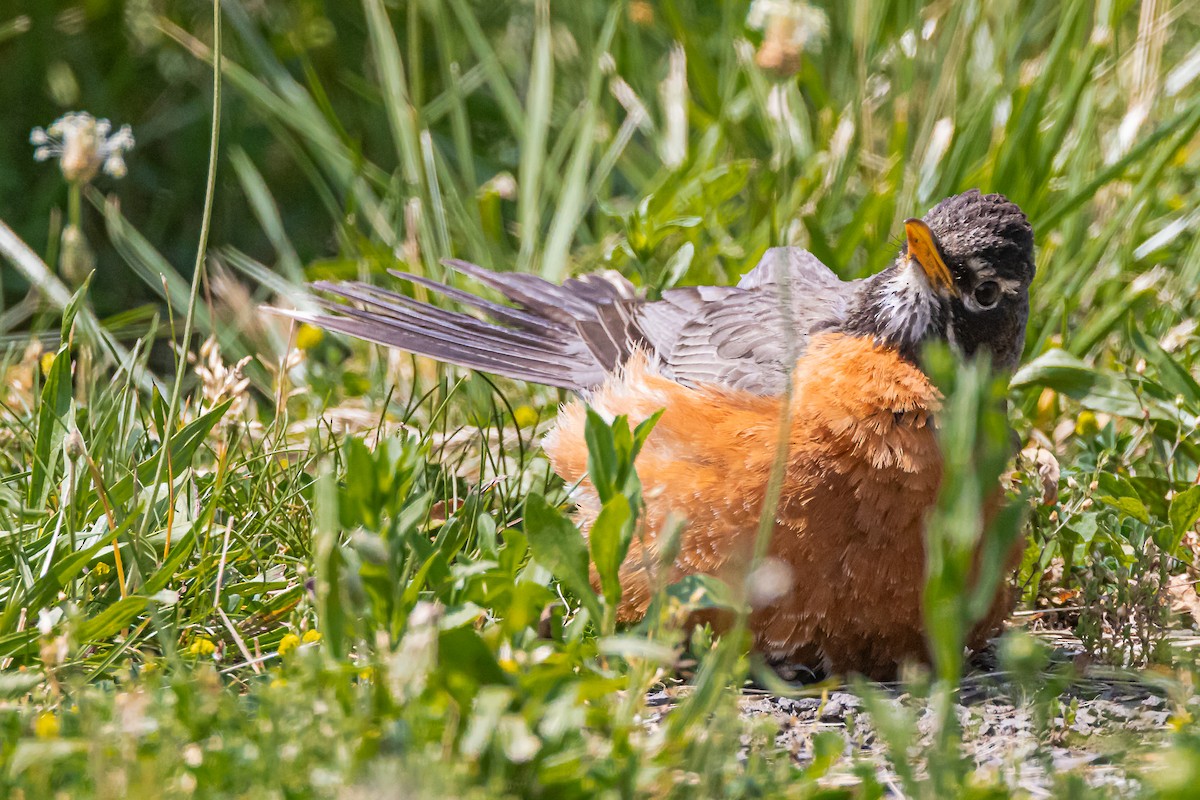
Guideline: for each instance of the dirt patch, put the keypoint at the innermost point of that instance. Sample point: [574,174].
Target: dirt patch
[1098,726]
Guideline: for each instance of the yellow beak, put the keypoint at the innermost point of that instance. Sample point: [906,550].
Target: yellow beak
[923,250]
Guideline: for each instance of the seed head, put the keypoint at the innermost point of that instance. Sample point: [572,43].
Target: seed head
[84,145]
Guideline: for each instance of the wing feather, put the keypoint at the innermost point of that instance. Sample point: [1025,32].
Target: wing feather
[573,335]
[750,337]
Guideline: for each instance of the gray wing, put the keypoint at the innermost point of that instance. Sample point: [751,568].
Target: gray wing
[574,335]
[750,336]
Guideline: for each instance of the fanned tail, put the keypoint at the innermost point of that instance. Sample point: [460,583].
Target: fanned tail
[568,336]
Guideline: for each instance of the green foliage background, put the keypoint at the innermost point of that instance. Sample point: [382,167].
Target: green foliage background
[398,515]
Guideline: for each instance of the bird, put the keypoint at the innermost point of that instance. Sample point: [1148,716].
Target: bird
[863,464]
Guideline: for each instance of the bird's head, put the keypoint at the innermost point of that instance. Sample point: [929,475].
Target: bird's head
[963,276]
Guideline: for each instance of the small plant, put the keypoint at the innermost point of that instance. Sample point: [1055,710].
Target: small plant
[84,146]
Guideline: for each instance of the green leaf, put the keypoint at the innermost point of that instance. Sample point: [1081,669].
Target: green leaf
[539,100]
[158,411]
[628,646]
[64,570]
[72,308]
[577,190]
[170,566]
[183,446]
[52,425]
[329,564]
[678,264]
[14,683]
[557,544]
[43,753]
[1085,526]
[1120,494]
[609,540]
[1171,374]
[159,275]
[1185,511]
[1090,387]
[603,466]
[111,620]
[703,592]
[1153,492]
[18,642]
[465,662]
[419,582]
[357,502]
[642,432]
[1107,318]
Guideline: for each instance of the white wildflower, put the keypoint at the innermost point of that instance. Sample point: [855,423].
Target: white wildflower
[193,756]
[47,619]
[84,145]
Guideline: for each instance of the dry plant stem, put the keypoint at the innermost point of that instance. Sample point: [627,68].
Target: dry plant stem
[201,254]
[170,507]
[98,480]
[170,471]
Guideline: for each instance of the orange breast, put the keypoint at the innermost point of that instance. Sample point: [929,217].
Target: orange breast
[863,468]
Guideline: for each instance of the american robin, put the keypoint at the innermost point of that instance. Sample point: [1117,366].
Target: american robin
[863,465]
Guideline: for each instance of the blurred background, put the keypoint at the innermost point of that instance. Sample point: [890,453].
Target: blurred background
[674,140]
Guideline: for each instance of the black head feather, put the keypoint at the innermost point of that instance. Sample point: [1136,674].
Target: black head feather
[986,242]
[986,226]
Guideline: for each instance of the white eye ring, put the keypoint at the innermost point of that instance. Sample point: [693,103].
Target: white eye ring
[986,294]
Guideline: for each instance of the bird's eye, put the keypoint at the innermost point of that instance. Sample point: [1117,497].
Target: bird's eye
[987,294]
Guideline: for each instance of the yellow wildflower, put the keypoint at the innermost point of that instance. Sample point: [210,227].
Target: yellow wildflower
[288,643]
[1047,407]
[46,725]
[1086,424]
[308,336]
[201,646]
[46,361]
[311,636]
[525,416]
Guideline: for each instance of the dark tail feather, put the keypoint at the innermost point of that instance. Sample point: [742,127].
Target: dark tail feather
[567,336]
[577,299]
[596,306]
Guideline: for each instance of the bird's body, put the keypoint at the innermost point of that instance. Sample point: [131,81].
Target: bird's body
[863,465]
[847,552]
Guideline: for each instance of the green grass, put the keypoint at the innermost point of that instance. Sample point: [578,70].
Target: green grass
[352,572]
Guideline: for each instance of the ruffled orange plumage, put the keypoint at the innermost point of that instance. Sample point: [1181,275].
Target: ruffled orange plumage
[863,469]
